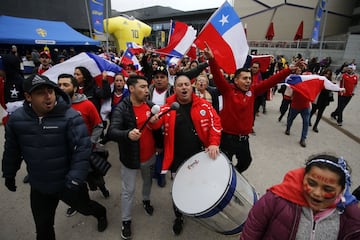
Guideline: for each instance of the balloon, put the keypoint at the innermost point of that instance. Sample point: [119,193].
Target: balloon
[126,29]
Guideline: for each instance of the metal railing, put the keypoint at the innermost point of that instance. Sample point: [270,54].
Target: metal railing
[334,45]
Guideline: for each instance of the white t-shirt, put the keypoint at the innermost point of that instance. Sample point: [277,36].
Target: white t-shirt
[159,98]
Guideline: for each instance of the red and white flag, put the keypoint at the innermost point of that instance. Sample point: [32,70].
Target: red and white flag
[225,35]
[129,58]
[95,64]
[181,37]
[134,48]
[310,85]
[263,60]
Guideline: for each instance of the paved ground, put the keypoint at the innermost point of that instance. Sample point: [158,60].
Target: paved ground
[273,152]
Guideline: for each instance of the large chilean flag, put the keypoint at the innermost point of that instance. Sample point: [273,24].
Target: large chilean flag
[310,85]
[225,35]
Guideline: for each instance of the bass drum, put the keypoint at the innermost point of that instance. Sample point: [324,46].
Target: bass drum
[213,192]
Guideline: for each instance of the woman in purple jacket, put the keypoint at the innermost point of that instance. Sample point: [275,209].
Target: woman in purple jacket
[311,203]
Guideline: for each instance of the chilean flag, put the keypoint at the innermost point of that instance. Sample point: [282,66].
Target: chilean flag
[181,37]
[310,85]
[128,58]
[225,35]
[94,63]
[134,48]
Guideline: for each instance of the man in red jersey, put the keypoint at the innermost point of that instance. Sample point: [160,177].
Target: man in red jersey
[136,147]
[237,115]
[348,81]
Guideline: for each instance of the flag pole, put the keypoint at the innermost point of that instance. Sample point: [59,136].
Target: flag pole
[163,53]
[107,25]
[323,31]
[88,18]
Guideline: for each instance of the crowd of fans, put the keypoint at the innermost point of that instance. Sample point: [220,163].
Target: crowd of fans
[216,111]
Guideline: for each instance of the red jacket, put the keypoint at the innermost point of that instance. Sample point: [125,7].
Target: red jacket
[205,119]
[237,115]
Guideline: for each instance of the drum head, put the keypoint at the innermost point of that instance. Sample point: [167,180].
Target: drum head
[200,183]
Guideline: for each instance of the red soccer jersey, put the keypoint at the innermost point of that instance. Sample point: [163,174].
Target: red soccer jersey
[348,82]
[147,142]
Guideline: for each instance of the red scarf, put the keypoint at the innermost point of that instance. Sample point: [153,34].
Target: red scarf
[291,188]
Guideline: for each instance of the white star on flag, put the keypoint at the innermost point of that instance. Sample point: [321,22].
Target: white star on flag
[224,19]
[14,92]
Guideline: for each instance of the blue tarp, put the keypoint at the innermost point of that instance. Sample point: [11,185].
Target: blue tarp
[14,30]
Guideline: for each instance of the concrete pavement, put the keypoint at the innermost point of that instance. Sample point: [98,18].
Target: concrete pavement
[274,153]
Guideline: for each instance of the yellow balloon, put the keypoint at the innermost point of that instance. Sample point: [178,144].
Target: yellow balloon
[126,29]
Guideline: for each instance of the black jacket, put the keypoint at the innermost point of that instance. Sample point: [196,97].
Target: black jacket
[56,148]
[97,94]
[122,122]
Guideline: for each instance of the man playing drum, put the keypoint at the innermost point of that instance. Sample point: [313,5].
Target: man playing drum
[193,127]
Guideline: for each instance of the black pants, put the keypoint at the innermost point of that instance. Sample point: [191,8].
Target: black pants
[239,146]
[320,112]
[285,104]
[257,103]
[43,207]
[342,103]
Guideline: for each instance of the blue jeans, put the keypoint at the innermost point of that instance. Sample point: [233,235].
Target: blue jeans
[305,115]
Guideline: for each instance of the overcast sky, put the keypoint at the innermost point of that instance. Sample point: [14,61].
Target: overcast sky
[184,5]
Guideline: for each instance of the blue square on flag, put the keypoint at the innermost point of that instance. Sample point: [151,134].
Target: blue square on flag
[225,19]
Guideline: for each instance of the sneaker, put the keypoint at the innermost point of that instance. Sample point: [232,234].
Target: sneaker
[287,132]
[148,208]
[26,179]
[303,143]
[70,212]
[126,230]
[332,115]
[178,225]
[315,130]
[105,193]
[102,224]
[339,124]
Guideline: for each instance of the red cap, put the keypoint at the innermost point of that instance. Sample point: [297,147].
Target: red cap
[45,53]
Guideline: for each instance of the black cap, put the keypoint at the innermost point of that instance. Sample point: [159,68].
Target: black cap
[161,69]
[35,81]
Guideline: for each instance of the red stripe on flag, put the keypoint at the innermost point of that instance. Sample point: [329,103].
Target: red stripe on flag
[309,89]
[221,49]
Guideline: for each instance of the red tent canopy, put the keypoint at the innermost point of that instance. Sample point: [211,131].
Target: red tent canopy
[270,32]
[300,31]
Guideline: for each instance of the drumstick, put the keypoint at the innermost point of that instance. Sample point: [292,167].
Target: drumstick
[154,110]
[173,106]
